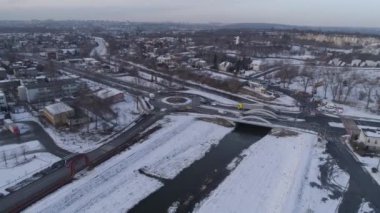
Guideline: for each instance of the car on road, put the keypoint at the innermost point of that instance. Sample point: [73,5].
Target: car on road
[220,111]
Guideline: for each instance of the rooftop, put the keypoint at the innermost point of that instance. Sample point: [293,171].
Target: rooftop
[58,108]
[373,133]
[39,84]
[107,93]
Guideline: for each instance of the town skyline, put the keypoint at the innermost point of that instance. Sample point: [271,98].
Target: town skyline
[338,13]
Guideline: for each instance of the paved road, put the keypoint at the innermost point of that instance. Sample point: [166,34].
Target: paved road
[36,133]
[189,84]
[110,81]
[361,184]
[256,76]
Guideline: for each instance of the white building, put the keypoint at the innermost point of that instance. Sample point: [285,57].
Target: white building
[164,59]
[370,138]
[356,62]
[225,66]
[91,61]
[46,91]
[3,101]
[255,65]
[237,40]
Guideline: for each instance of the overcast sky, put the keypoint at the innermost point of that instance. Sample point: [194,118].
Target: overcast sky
[357,13]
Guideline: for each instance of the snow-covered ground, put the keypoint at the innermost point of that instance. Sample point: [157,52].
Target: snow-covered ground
[365,207]
[117,186]
[88,138]
[340,125]
[285,100]
[357,99]
[126,111]
[20,161]
[101,49]
[213,97]
[275,176]
[358,112]
[218,75]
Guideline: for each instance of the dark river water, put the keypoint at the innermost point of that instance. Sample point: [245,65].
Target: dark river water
[194,183]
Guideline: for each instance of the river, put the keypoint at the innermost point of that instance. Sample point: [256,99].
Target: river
[194,183]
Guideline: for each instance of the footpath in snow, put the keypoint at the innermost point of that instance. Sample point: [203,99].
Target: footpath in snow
[117,185]
[276,175]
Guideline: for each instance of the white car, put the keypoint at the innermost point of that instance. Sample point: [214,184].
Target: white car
[220,111]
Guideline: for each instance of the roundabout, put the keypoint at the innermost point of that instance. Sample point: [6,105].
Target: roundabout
[177,100]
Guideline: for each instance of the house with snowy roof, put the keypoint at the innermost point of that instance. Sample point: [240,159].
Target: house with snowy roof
[370,138]
[110,95]
[225,66]
[58,113]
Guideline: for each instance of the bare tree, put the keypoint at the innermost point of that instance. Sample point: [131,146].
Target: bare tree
[378,101]
[335,83]
[136,77]
[23,150]
[15,156]
[306,77]
[325,80]
[287,74]
[349,84]
[369,86]
[4,156]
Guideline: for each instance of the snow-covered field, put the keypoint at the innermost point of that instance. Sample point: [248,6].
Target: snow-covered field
[117,186]
[275,176]
[20,161]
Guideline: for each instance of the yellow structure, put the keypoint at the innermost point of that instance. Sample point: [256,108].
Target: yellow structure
[58,113]
[240,106]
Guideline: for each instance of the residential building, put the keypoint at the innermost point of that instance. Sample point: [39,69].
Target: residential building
[110,95]
[58,113]
[225,66]
[255,65]
[30,72]
[370,138]
[37,91]
[3,73]
[3,100]
[52,54]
